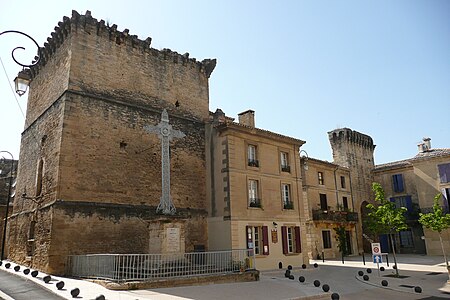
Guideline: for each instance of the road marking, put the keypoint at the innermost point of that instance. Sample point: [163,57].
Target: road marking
[4,296]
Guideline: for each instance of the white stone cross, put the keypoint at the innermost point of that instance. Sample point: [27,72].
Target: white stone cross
[166,134]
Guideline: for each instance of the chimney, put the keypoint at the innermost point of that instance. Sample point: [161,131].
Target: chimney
[247,118]
[425,145]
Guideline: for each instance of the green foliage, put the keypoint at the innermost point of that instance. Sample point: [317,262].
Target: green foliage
[341,238]
[384,218]
[435,220]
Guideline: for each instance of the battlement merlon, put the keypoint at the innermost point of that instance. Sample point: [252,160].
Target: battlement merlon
[91,25]
[346,134]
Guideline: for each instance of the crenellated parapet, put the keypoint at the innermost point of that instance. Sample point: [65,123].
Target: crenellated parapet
[347,135]
[122,38]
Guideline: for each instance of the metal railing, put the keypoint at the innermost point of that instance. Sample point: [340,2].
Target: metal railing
[145,267]
[337,216]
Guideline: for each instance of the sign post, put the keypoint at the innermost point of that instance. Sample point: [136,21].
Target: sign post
[376,255]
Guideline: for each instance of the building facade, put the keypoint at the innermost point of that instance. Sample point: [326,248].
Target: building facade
[329,195]
[90,173]
[413,183]
[256,199]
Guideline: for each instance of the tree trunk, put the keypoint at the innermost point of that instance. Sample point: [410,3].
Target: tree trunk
[395,257]
[445,256]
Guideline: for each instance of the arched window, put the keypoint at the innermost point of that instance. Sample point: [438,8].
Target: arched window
[39,177]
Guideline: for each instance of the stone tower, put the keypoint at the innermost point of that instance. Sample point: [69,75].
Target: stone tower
[90,174]
[354,150]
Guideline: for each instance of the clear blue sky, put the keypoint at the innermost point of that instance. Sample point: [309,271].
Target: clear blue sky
[305,67]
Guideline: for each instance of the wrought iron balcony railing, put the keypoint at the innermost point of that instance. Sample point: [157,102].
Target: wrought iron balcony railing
[254,202]
[336,216]
[253,163]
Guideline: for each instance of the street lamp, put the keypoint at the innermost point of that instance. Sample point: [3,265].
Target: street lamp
[23,78]
[7,204]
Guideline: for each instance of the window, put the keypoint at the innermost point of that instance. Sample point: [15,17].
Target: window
[345,203]
[406,239]
[397,181]
[284,159]
[323,202]
[251,155]
[444,173]
[258,239]
[285,191]
[39,178]
[253,200]
[446,199]
[291,239]
[404,201]
[326,238]
[320,177]
[343,182]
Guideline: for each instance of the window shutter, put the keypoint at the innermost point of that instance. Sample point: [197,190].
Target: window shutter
[408,201]
[265,240]
[248,235]
[298,245]
[400,183]
[284,239]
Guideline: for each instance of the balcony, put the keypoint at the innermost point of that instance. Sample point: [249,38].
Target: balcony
[288,205]
[336,216]
[286,169]
[253,163]
[254,202]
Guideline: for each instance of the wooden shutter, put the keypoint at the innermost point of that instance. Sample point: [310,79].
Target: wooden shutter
[298,245]
[284,239]
[265,240]
[409,205]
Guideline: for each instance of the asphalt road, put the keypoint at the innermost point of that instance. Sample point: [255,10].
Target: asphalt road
[22,289]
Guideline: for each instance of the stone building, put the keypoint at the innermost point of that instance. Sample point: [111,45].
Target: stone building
[354,150]
[329,195]
[256,194]
[89,171]
[413,183]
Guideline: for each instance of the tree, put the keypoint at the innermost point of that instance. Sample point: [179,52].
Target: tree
[385,218]
[436,221]
[341,238]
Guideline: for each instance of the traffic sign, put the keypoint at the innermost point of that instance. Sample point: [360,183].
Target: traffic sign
[377,259]
[376,249]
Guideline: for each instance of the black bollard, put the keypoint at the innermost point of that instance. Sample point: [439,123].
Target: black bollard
[301,279]
[291,277]
[316,283]
[60,285]
[26,271]
[34,273]
[287,273]
[47,278]
[364,259]
[335,296]
[323,256]
[7,265]
[366,277]
[381,269]
[75,292]
[289,267]
[360,273]
[101,297]
[387,260]
[315,265]
[369,270]
[303,266]
[384,283]
[17,268]
[417,289]
[325,288]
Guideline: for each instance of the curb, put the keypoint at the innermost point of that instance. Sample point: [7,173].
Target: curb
[392,289]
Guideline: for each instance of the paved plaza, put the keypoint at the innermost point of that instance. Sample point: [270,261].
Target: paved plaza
[427,272]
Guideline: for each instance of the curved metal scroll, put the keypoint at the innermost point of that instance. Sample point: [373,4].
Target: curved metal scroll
[38,57]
